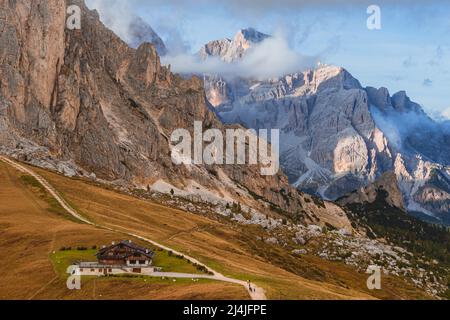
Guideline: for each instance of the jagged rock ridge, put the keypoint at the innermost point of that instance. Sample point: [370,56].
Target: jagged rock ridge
[85,102]
[387,183]
[337,136]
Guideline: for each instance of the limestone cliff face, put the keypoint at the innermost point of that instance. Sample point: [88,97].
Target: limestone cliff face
[329,141]
[337,136]
[230,50]
[86,98]
[387,183]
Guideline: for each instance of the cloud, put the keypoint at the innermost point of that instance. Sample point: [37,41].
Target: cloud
[119,16]
[116,15]
[427,82]
[271,58]
[404,128]
[437,58]
[252,7]
[442,115]
[408,63]
[396,78]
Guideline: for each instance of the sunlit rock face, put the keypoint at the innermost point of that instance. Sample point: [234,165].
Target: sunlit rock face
[84,102]
[337,136]
[230,50]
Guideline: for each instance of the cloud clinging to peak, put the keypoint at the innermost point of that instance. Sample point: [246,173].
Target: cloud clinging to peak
[271,58]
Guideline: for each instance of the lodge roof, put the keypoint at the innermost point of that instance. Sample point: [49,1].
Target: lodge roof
[126,244]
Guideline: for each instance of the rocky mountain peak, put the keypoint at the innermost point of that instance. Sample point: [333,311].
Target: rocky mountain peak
[398,103]
[232,50]
[380,98]
[250,35]
[402,103]
[87,98]
[327,76]
[386,184]
[140,32]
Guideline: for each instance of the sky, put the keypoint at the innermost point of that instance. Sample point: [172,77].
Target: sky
[410,52]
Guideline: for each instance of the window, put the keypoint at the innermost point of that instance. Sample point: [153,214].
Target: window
[92,270]
[133,261]
[142,262]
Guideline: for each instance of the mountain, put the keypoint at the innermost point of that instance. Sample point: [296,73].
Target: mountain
[86,104]
[232,50]
[378,208]
[140,32]
[83,102]
[387,184]
[337,136]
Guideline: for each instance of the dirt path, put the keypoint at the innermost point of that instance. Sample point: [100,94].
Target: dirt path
[256,294]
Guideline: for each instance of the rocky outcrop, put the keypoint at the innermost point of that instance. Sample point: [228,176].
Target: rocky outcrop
[387,183]
[327,133]
[86,100]
[232,50]
[337,136]
[141,32]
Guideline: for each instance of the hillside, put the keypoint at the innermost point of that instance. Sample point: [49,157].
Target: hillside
[377,209]
[228,247]
[34,228]
[107,110]
[92,116]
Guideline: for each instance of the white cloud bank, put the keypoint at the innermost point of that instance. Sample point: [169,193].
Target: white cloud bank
[116,15]
[271,58]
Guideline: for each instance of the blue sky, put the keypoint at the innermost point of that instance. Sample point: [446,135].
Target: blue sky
[411,52]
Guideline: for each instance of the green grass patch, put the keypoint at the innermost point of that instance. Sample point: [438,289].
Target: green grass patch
[62,259]
[169,262]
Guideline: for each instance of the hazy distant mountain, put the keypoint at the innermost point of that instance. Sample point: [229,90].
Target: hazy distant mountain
[140,32]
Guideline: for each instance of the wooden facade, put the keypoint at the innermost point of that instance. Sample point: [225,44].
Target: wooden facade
[125,253]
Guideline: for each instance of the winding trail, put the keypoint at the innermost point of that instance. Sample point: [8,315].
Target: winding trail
[256,294]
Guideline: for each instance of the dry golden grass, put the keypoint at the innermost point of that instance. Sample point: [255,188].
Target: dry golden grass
[31,228]
[229,249]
